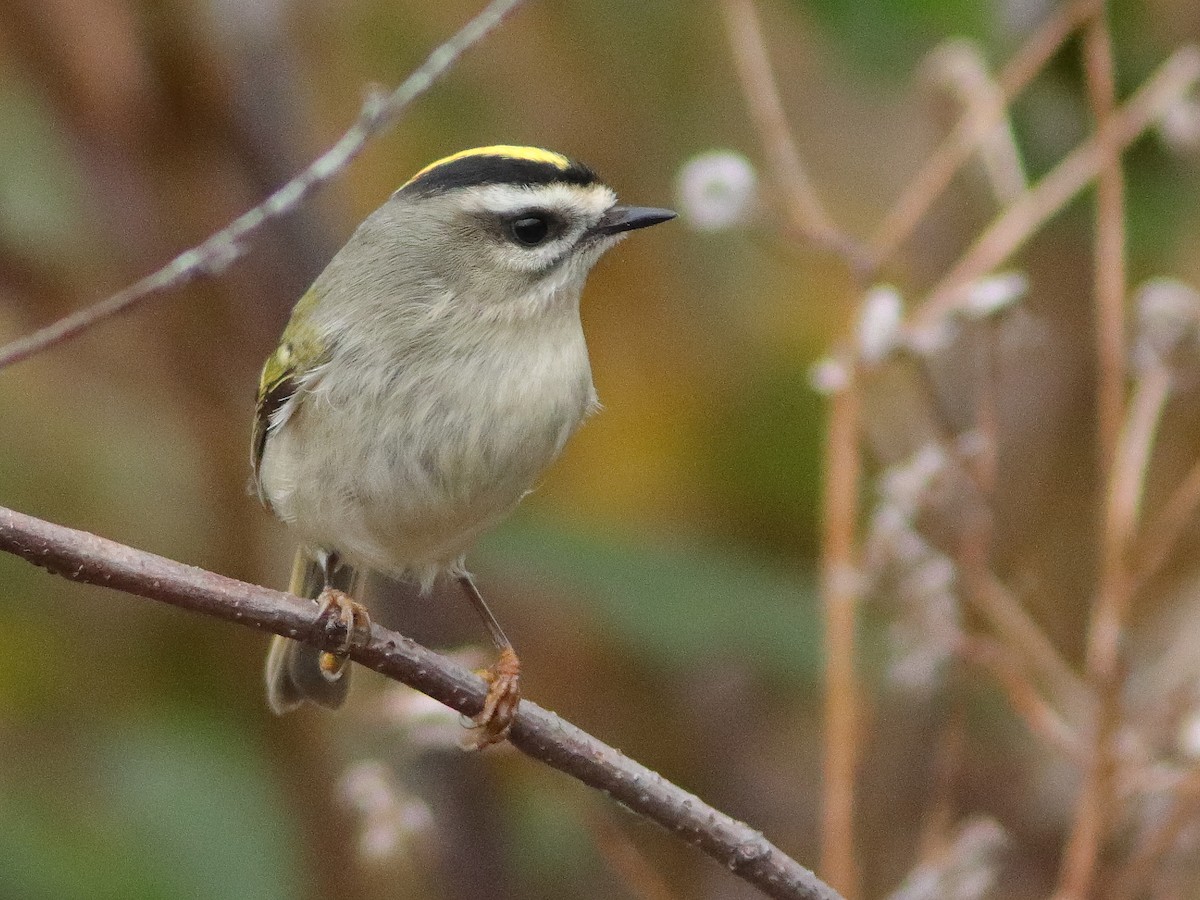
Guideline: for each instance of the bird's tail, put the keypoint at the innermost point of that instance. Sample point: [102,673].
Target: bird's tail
[294,673]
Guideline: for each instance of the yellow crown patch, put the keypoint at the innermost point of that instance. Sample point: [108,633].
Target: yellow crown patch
[507,151]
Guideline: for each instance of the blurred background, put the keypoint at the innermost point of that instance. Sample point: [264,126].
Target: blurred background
[660,583]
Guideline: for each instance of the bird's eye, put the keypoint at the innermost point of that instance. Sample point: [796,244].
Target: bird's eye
[530,230]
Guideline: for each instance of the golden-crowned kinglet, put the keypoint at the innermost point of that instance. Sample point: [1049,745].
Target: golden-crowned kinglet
[424,382]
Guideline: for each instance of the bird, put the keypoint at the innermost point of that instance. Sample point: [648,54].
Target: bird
[423,384]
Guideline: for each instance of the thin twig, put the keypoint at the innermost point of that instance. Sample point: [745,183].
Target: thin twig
[1109,261]
[1017,630]
[806,213]
[1105,636]
[840,594]
[379,113]
[1122,471]
[1122,466]
[84,557]
[839,579]
[1162,533]
[950,156]
[1009,231]
[1043,720]
[959,66]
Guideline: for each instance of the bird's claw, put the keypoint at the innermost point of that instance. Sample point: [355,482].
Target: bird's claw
[341,615]
[493,722]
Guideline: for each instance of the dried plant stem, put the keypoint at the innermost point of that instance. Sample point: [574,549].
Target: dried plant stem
[1109,262]
[542,735]
[1110,610]
[379,113]
[950,156]
[839,576]
[1162,533]
[839,594]
[1014,627]
[807,216]
[1009,231]
[1122,468]
[1043,720]
[962,67]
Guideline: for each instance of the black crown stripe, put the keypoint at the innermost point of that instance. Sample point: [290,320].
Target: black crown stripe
[472,171]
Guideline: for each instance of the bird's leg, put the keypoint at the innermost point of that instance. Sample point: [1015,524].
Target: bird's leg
[503,677]
[341,613]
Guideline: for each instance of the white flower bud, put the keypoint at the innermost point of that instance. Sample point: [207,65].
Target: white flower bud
[366,787]
[1168,313]
[716,190]
[1179,126]
[994,294]
[829,376]
[879,323]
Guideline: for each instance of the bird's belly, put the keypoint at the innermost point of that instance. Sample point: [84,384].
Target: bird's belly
[412,492]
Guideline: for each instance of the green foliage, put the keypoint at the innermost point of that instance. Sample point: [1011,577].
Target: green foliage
[197,802]
[889,36]
[763,457]
[165,808]
[39,187]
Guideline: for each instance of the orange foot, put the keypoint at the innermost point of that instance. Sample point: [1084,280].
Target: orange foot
[500,708]
[348,618]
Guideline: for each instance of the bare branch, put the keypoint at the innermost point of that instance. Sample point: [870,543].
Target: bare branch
[806,213]
[80,556]
[980,122]
[959,67]
[1109,261]
[1105,636]
[379,113]
[1159,537]
[1026,215]
[1042,719]
[1018,631]
[840,591]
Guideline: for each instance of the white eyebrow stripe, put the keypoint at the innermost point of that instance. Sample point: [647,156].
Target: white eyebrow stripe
[504,199]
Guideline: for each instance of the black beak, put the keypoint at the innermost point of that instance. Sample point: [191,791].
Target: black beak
[627,218]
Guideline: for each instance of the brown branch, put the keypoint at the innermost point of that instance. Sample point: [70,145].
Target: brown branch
[806,213]
[80,556]
[1009,231]
[1043,720]
[840,594]
[379,113]
[960,68]
[1123,461]
[839,578]
[1109,262]
[1017,630]
[1162,533]
[1105,649]
[950,156]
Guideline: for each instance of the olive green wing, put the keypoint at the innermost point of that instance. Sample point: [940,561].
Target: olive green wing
[287,371]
